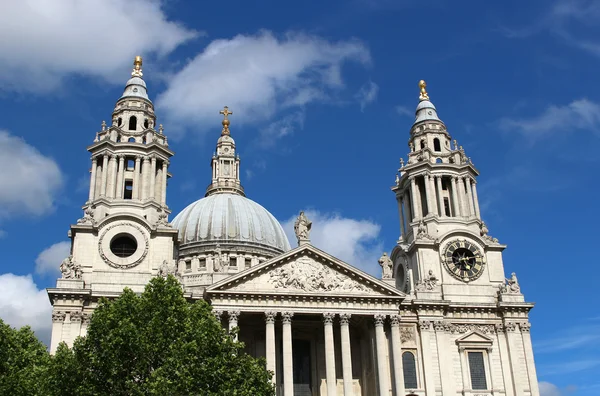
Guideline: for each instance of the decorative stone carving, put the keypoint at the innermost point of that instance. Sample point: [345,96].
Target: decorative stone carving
[233,316]
[286,317]
[70,269]
[483,231]
[395,320]
[328,317]
[406,334]
[88,217]
[512,285]
[86,318]
[167,269]
[439,325]
[466,327]
[219,260]
[308,275]
[270,317]
[162,220]
[429,283]
[379,319]
[525,327]
[58,317]
[302,228]
[386,266]
[422,231]
[75,316]
[510,326]
[424,325]
[133,229]
[345,319]
[218,313]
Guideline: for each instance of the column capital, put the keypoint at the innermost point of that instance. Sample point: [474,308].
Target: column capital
[424,325]
[138,157]
[525,327]
[270,317]
[233,315]
[146,158]
[345,319]
[94,159]
[166,163]
[395,320]
[218,313]
[58,317]
[379,319]
[328,318]
[286,317]
[75,316]
[153,157]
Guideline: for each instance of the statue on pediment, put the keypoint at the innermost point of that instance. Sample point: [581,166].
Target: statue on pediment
[70,269]
[302,228]
[386,266]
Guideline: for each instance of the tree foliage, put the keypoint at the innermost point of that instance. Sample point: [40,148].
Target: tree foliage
[23,360]
[156,343]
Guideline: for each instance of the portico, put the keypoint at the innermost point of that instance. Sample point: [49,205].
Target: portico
[326,329]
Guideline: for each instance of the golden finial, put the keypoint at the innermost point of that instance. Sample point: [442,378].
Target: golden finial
[225,121]
[137,67]
[423,95]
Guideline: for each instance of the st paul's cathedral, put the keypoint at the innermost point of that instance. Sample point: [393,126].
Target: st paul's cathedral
[442,319]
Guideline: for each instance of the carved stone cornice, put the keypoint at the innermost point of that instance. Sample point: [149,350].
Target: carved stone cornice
[286,317]
[379,319]
[345,319]
[328,318]
[270,317]
[395,320]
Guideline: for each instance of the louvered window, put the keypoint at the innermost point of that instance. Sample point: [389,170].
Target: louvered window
[410,370]
[477,369]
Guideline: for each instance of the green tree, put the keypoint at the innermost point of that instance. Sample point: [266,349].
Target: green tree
[23,361]
[156,343]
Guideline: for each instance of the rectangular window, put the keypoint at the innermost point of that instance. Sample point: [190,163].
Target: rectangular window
[233,262]
[248,262]
[128,192]
[130,164]
[447,206]
[188,265]
[202,263]
[477,369]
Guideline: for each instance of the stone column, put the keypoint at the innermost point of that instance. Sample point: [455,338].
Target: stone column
[428,194]
[475,199]
[136,193]
[397,356]
[270,344]
[464,210]
[407,210]
[513,352]
[112,176]
[446,370]
[233,321]
[417,211]
[531,372]
[104,175]
[329,354]
[469,196]
[93,179]
[346,354]
[152,177]
[58,319]
[400,209]
[384,383]
[288,362]
[434,208]
[425,326]
[120,177]
[75,331]
[145,177]
[455,201]
[163,198]
[440,196]
[504,357]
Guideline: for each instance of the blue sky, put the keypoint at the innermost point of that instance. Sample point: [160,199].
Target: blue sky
[323,95]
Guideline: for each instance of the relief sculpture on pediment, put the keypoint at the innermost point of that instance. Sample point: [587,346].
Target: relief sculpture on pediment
[311,276]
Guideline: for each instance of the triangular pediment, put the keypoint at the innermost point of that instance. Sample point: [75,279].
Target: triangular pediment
[306,270]
[475,339]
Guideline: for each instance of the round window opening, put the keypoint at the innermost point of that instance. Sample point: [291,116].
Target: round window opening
[123,245]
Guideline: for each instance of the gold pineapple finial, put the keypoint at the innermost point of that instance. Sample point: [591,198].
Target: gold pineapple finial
[137,67]
[423,95]
[225,121]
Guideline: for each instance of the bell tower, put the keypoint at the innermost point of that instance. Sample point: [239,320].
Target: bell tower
[124,237]
[444,250]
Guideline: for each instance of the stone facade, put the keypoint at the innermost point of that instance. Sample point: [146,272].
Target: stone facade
[442,320]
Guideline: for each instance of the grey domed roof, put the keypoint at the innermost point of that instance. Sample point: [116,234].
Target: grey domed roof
[230,219]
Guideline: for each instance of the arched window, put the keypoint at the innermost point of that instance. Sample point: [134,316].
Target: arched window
[118,138]
[146,123]
[410,370]
[119,121]
[436,145]
[144,140]
[132,123]
[438,161]
[131,140]
[422,144]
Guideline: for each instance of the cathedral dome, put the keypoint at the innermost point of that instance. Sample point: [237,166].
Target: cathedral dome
[230,220]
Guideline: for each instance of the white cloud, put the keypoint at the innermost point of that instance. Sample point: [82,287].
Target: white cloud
[30,182]
[46,40]
[256,76]
[281,128]
[48,261]
[367,94]
[548,389]
[579,114]
[353,241]
[22,303]
[405,111]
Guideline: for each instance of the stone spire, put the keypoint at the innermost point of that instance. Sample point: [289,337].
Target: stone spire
[225,162]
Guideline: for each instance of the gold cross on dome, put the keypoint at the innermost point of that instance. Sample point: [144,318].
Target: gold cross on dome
[225,112]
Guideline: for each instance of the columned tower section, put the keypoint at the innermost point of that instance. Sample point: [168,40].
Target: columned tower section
[124,238]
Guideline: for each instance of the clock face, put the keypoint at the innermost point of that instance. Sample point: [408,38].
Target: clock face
[464,260]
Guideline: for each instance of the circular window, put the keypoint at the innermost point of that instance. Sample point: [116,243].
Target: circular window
[123,245]
[135,89]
